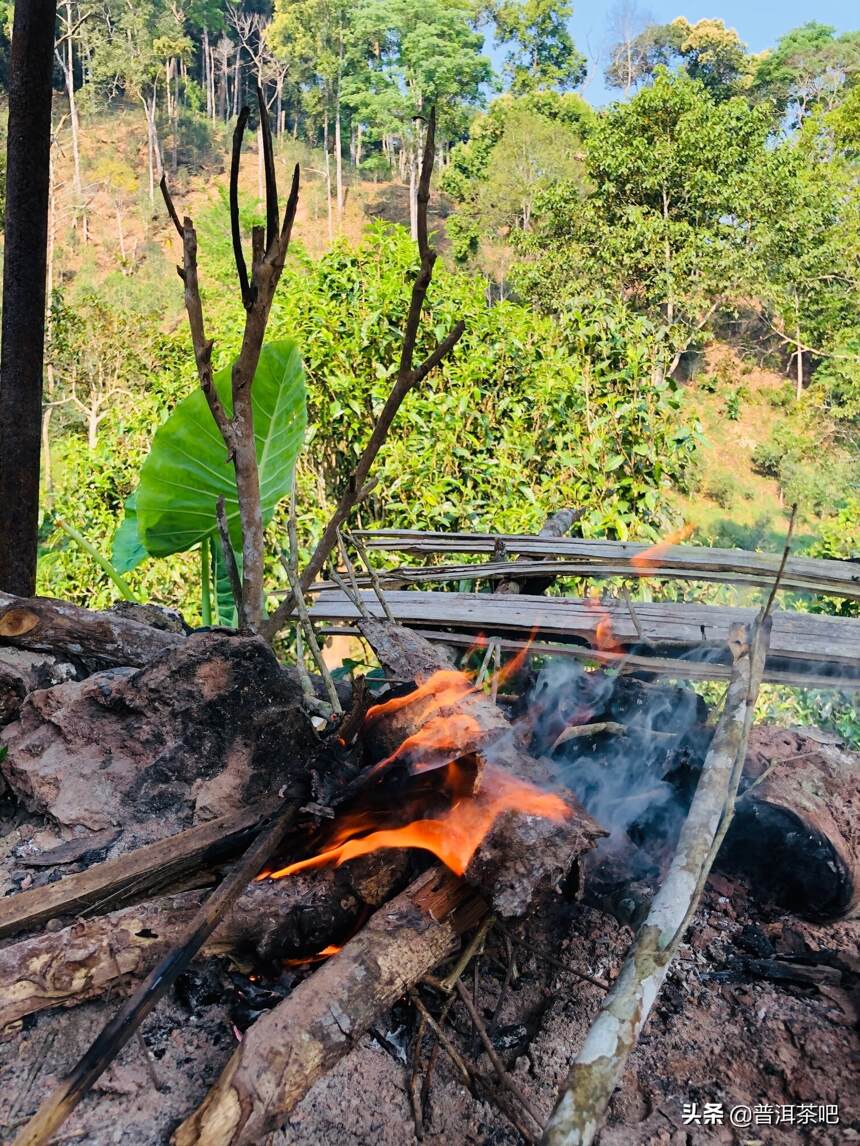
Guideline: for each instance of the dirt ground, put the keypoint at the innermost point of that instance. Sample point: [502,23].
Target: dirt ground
[718,1034]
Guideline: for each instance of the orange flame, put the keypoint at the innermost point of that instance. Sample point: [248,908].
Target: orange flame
[650,558]
[318,957]
[604,637]
[453,838]
[472,794]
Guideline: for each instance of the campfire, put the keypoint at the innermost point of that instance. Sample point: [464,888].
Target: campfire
[431,833]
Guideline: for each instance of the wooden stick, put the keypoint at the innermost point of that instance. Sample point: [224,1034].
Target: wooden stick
[132,877]
[230,560]
[408,376]
[288,1049]
[58,1105]
[583,1102]
[499,1067]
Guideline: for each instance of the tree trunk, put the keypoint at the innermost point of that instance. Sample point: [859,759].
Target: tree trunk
[328,180]
[74,123]
[338,163]
[28,162]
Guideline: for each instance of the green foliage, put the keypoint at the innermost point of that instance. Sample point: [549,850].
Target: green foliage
[187,469]
[708,51]
[517,149]
[674,177]
[542,53]
[808,69]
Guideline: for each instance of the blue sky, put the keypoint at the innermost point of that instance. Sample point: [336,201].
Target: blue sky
[759,24]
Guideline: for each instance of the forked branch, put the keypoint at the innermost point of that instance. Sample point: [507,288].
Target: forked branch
[269,250]
[408,376]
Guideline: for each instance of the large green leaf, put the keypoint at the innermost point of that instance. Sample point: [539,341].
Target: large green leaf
[187,468]
[128,550]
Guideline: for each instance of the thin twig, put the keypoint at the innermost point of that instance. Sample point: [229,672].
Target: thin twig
[353,597]
[485,663]
[499,1067]
[633,617]
[358,545]
[453,1053]
[785,553]
[348,565]
[230,559]
[290,564]
[497,669]
[408,376]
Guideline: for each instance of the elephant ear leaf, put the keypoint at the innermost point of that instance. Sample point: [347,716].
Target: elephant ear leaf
[187,469]
[128,550]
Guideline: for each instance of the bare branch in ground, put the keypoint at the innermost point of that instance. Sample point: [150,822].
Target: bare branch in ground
[408,376]
[269,249]
[612,1037]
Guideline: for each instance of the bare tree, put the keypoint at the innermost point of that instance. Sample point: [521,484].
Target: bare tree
[269,246]
[28,168]
[626,23]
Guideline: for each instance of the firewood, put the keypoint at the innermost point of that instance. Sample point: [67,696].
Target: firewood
[522,854]
[597,1069]
[271,919]
[136,874]
[59,1104]
[101,640]
[288,1049]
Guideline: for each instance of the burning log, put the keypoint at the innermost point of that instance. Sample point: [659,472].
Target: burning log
[288,1049]
[597,1069]
[528,846]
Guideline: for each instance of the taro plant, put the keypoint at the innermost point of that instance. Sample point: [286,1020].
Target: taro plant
[187,470]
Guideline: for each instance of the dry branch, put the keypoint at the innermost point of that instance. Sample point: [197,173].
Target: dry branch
[408,376]
[133,876]
[288,1049]
[597,1069]
[616,559]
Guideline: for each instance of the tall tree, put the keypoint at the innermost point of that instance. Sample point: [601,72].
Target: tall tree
[667,225]
[707,50]
[542,53]
[28,163]
[809,69]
